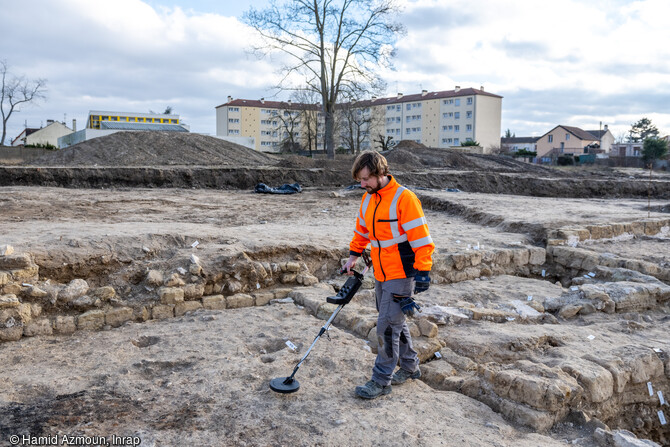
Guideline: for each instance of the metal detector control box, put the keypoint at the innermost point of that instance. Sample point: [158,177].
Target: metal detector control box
[347,291]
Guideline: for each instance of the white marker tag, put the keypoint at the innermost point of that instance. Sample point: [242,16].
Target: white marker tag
[592,275]
[651,388]
[587,277]
[439,356]
[661,417]
[544,273]
[658,350]
[195,244]
[660,397]
[591,337]
[530,297]
[290,345]
[574,288]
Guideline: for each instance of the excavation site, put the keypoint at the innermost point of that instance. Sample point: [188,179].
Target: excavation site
[148,295]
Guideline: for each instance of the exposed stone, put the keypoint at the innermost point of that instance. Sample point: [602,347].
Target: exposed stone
[27,274]
[216,302]
[187,306]
[6,250]
[363,326]
[570,310]
[537,256]
[117,316]
[171,295]
[73,290]
[4,278]
[427,328]
[11,289]
[263,298]
[91,320]
[174,281]
[64,325]
[306,279]
[293,267]
[13,333]
[162,311]
[154,278]
[495,315]
[83,303]
[325,310]
[105,293]
[38,327]
[239,300]
[596,381]
[536,385]
[35,292]
[193,291]
[7,301]
[287,278]
[15,262]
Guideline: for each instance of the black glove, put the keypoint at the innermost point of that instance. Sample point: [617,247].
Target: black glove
[421,281]
[407,304]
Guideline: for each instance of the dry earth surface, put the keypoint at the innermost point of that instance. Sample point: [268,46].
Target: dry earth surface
[162,314]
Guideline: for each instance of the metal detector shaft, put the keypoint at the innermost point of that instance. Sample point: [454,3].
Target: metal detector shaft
[323,330]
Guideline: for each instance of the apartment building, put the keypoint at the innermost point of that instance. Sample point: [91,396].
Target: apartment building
[436,119]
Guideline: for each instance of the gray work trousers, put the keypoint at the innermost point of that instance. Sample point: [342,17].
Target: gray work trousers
[394,341]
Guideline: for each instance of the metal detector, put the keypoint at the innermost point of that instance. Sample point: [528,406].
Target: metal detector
[289,384]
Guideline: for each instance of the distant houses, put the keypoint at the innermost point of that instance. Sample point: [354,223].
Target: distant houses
[44,136]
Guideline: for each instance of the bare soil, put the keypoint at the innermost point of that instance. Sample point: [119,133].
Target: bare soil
[202,378]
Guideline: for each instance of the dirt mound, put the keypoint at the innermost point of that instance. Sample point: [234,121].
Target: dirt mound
[409,154]
[156,149]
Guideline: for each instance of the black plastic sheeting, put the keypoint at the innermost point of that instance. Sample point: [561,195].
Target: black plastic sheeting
[283,189]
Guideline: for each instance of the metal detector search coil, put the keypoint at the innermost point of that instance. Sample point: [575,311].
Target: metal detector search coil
[286,385]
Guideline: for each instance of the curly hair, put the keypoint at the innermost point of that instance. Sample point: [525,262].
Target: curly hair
[372,160]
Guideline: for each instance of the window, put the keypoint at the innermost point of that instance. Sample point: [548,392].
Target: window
[457,141]
[233,109]
[468,114]
[409,106]
[468,139]
[551,138]
[398,107]
[407,131]
[457,128]
[469,101]
[233,131]
[457,102]
[233,120]
[468,127]
[457,115]
[567,136]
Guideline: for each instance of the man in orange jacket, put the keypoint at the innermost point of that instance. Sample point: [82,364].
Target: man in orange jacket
[391,220]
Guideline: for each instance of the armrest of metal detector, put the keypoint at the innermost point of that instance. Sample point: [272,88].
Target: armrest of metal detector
[347,291]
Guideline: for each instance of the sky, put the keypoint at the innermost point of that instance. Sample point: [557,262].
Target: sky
[583,63]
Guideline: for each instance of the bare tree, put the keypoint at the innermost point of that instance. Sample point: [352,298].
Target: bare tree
[356,122]
[335,45]
[16,91]
[385,143]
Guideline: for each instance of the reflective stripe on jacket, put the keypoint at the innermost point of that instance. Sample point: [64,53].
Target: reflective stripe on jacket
[391,220]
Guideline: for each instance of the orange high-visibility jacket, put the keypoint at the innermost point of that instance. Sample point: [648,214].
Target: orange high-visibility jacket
[391,220]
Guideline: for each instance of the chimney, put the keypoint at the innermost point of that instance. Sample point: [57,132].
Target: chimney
[424,92]
[50,122]
[457,89]
[605,127]
[374,98]
[230,98]
[74,125]
[399,95]
[481,88]
[289,103]
[262,100]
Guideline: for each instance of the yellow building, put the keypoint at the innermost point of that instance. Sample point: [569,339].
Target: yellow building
[436,119]
[109,120]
